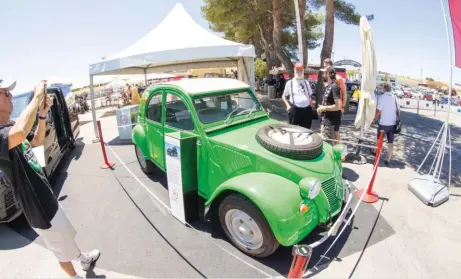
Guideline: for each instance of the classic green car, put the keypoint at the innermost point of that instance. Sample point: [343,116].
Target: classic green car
[265,182]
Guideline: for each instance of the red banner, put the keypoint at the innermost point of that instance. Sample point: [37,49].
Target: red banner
[455,13]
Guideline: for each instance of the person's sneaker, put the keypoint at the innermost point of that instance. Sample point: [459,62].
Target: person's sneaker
[90,258]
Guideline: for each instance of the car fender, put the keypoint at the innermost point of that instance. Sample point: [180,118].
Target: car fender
[278,198]
[139,139]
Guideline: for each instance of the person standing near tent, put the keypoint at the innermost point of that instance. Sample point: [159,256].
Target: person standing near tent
[297,97]
[388,114]
[31,188]
[330,110]
[135,98]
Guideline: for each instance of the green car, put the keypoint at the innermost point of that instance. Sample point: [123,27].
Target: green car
[265,182]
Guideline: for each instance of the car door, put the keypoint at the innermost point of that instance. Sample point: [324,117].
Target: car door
[177,115]
[154,129]
[51,140]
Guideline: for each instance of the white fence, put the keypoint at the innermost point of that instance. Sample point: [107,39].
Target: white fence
[423,105]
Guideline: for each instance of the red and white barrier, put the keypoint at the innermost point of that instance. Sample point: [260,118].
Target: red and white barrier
[370,196]
[106,164]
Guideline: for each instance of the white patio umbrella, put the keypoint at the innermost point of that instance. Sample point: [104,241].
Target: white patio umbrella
[367,102]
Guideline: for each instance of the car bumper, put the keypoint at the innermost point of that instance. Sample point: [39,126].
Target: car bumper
[347,199]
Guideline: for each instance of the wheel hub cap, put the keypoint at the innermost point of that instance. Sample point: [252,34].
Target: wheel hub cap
[244,229]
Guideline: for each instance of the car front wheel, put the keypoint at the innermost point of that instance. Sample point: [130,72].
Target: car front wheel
[246,227]
[146,165]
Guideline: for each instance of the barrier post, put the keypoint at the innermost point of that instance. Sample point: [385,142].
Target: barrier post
[106,164]
[301,256]
[370,196]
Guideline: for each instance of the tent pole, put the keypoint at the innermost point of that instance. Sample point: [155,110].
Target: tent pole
[93,110]
[145,77]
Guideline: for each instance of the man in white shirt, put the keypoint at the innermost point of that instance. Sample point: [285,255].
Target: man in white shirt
[388,114]
[297,97]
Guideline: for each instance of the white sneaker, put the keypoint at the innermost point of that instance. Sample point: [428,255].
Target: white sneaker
[89,258]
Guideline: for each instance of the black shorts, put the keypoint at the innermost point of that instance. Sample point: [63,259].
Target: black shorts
[389,131]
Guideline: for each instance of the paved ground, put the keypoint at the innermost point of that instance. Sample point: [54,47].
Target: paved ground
[397,237]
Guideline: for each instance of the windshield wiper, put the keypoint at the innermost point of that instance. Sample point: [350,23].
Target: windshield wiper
[252,110]
[230,114]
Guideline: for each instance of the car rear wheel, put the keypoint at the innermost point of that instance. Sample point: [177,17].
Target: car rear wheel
[146,165]
[246,227]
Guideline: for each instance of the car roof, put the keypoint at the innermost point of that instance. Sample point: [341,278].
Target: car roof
[204,85]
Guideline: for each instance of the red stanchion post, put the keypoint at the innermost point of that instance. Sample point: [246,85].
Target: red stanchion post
[370,196]
[106,164]
[301,256]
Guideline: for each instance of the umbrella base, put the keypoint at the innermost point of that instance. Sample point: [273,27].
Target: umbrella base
[355,158]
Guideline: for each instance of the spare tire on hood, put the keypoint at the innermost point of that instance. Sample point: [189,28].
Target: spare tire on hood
[290,141]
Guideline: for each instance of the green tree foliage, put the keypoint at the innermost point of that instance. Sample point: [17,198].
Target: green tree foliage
[343,11]
[429,79]
[252,22]
[260,68]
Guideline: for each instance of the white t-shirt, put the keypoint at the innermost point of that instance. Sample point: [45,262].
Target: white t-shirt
[388,107]
[301,94]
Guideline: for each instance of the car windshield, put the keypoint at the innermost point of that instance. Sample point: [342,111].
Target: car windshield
[223,107]
[19,105]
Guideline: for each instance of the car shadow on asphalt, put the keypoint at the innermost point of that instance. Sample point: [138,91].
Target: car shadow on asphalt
[118,141]
[350,174]
[282,258]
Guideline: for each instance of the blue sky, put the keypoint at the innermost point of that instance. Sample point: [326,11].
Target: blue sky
[49,38]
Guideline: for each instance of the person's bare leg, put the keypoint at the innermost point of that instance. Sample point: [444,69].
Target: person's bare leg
[390,149]
[337,137]
[68,267]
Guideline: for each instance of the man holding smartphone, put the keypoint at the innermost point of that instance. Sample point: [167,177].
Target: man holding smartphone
[31,188]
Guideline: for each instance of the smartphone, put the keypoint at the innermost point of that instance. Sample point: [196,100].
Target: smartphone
[44,103]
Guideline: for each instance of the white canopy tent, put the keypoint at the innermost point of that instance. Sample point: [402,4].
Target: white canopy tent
[178,43]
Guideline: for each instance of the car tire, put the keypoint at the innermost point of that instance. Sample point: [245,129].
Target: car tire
[146,165]
[305,151]
[262,243]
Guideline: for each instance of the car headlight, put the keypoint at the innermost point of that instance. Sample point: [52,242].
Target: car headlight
[310,187]
[339,151]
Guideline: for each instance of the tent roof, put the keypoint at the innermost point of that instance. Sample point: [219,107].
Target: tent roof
[204,85]
[177,43]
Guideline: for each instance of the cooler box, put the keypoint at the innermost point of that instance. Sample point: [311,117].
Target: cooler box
[127,117]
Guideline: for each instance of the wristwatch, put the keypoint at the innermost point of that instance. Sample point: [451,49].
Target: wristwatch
[42,117]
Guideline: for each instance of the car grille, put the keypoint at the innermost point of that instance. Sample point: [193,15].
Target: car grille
[329,187]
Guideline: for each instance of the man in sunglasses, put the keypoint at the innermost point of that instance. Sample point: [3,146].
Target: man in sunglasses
[24,174]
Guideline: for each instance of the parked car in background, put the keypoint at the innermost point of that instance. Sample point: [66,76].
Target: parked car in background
[62,127]
[407,94]
[428,97]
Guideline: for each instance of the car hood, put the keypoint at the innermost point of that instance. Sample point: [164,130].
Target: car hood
[244,139]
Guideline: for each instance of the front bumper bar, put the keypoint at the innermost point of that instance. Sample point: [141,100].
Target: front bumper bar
[348,195]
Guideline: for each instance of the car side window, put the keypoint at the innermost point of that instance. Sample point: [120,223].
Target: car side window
[177,113]
[154,108]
